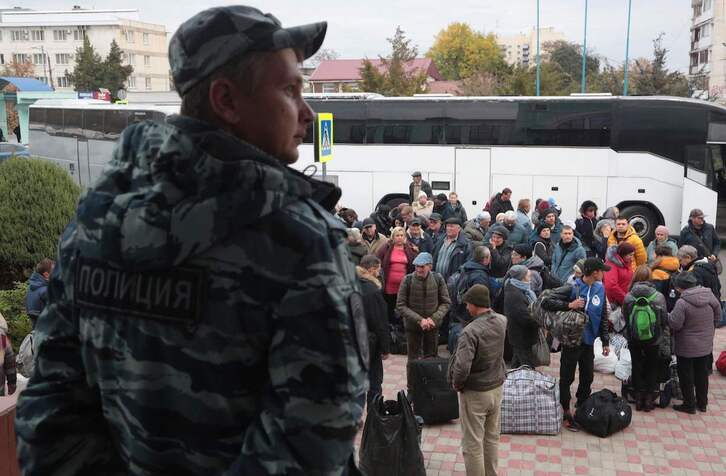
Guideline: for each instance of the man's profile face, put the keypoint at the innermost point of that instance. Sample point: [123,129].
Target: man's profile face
[369,230]
[434,225]
[698,221]
[276,116]
[417,180]
[506,196]
[516,258]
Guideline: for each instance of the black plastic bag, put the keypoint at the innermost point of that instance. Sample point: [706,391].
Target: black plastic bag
[390,444]
[604,413]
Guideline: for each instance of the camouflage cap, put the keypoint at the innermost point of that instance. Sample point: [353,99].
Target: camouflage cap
[213,37]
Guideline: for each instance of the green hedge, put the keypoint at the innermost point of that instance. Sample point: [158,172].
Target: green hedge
[12,307]
[37,200]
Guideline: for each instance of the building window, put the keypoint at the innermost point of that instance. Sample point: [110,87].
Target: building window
[330,88]
[694,59]
[706,5]
[703,57]
[132,82]
[17,35]
[37,35]
[148,83]
[129,36]
[21,58]
[63,82]
[63,58]
[147,60]
[146,38]
[60,35]
[131,58]
[38,58]
[79,35]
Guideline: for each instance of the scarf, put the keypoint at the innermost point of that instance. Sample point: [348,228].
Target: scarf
[525,287]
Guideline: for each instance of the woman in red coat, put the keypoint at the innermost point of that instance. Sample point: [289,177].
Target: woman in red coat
[617,280]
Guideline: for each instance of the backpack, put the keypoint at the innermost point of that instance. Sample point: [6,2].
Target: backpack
[566,326]
[643,319]
[26,353]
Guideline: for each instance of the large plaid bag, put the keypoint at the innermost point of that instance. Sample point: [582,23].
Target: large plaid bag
[531,403]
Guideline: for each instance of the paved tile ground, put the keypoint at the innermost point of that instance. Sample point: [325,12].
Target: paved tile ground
[659,442]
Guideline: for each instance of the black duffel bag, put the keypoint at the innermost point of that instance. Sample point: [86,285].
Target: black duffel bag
[390,445]
[603,413]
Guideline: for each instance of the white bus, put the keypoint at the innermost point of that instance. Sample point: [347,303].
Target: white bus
[653,157]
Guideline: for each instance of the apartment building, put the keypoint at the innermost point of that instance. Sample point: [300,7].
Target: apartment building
[521,49]
[49,39]
[707,68]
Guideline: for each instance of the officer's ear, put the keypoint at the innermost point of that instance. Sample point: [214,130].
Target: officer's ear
[222,101]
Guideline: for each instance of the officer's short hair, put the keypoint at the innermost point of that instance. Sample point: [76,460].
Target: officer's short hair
[243,72]
[663,250]
[44,266]
[480,253]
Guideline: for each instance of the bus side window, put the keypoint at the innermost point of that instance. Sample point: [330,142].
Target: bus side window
[93,124]
[54,120]
[37,118]
[72,122]
[115,121]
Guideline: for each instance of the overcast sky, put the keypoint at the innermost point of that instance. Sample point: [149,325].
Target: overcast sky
[361,30]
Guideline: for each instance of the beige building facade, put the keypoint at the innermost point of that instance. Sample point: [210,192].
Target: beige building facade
[521,49]
[49,39]
[707,65]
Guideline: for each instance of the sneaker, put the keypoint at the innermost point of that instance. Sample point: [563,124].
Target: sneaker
[684,409]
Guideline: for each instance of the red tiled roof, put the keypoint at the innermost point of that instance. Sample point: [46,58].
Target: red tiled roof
[444,87]
[349,69]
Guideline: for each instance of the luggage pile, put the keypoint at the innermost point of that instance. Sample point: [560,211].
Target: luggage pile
[565,326]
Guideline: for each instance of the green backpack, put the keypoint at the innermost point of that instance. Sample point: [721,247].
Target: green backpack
[643,319]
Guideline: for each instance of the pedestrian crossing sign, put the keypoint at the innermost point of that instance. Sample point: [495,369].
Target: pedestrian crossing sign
[323,137]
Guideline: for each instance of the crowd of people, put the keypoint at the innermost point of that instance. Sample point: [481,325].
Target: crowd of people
[439,275]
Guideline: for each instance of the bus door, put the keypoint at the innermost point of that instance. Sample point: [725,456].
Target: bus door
[471,172]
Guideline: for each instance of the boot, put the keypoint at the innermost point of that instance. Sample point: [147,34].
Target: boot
[639,401]
[649,403]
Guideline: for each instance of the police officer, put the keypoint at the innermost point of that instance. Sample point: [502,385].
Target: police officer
[204,317]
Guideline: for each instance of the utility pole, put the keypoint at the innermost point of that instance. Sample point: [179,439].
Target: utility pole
[584,55]
[538,57]
[627,52]
[50,71]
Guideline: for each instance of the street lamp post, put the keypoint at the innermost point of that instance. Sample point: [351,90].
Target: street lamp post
[537,82]
[627,52]
[584,55]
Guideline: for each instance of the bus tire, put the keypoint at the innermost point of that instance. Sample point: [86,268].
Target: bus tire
[643,219]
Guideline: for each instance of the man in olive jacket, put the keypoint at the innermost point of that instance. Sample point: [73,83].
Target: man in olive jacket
[477,372]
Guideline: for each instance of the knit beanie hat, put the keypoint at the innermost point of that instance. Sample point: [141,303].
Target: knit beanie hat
[625,248]
[524,250]
[518,271]
[662,229]
[478,295]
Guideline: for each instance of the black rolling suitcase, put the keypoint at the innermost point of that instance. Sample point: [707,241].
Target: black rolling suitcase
[432,397]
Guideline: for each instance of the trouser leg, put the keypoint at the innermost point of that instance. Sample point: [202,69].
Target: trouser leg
[568,365]
[472,414]
[586,362]
[491,431]
[375,374]
[701,366]
[685,377]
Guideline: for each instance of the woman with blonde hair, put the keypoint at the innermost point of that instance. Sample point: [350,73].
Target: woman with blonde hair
[396,262]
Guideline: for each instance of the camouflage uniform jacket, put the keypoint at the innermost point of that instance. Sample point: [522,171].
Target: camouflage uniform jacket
[203,319]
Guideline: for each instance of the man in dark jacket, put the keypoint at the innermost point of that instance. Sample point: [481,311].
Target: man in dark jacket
[454,209]
[376,319]
[585,227]
[417,186]
[587,295]
[37,296]
[501,203]
[452,251]
[474,271]
[701,235]
[501,251]
[435,230]
[418,238]
[440,203]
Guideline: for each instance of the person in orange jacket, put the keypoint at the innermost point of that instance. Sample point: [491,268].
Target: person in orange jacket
[624,233]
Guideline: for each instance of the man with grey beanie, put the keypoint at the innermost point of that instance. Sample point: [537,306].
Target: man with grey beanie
[204,317]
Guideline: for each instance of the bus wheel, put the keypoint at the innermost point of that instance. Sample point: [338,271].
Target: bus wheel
[643,220]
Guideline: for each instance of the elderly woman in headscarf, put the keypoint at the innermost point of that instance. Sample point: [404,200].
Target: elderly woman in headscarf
[522,329]
[603,230]
[661,239]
